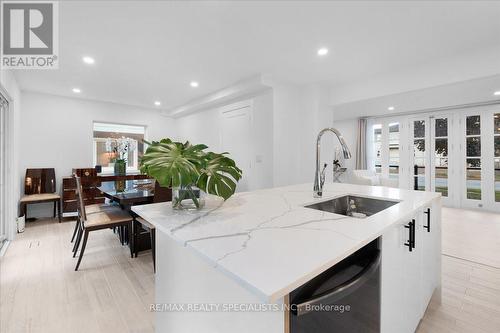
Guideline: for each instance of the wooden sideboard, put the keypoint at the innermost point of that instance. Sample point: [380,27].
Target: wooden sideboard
[90,183]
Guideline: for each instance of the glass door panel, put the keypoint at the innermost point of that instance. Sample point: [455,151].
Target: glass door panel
[377,147]
[419,157]
[394,152]
[441,156]
[496,149]
[473,157]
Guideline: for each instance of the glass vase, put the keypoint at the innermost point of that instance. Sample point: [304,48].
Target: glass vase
[120,168]
[187,198]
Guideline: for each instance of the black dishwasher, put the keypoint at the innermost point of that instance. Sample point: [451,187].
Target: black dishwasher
[343,299]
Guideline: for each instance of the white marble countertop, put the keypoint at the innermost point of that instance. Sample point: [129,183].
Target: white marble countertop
[269,242]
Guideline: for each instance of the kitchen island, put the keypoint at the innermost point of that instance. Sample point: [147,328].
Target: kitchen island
[217,265]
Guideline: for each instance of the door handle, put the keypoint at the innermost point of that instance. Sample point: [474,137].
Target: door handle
[413,232]
[409,244]
[428,226]
[411,235]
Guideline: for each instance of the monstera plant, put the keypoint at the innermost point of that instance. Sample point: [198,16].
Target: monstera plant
[188,168]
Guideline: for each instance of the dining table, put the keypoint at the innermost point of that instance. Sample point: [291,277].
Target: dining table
[128,193]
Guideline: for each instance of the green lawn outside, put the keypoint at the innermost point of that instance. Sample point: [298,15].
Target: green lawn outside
[443,191]
[473,193]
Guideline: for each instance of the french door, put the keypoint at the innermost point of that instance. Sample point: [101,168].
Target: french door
[456,153]
[431,154]
[480,158]
[386,152]
[4,105]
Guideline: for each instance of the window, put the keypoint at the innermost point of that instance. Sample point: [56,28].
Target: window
[473,157]
[419,155]
[377,147]
[115,141]
[496,133]
[441,156]
[394,150]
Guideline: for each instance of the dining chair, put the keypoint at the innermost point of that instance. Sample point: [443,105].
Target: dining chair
[98,220]
[40,187]
[161,194]
[91,209]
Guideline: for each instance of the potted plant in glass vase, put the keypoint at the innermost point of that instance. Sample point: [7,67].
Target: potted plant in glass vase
[120,148]
[190,171]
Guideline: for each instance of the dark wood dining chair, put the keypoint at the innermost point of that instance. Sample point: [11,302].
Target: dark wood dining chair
[91,209]
[40,187]
[104,219]
[161,194]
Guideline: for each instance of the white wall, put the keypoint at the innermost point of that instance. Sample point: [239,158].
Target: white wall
[205,127]
[286,134]
[348,128]
[10,87]
[298,114]
[57,132]
[313,114]
[286,123]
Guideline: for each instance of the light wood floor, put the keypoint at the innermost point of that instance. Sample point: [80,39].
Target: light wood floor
[40,291]
[472,235]
[470,300]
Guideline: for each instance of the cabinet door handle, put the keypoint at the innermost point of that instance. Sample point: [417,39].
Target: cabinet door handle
[409,243]
[412,233]
[428,226]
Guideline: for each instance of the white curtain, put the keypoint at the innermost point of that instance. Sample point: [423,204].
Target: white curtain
[361,145]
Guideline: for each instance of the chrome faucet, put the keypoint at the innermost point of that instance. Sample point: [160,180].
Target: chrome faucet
[319,177]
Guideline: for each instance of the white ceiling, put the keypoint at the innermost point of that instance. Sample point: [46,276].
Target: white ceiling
[151,50]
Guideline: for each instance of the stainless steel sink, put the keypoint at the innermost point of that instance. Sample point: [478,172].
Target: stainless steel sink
[354,206]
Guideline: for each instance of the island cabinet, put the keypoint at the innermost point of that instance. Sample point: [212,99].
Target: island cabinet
[431,253]
[410,269]
[233,265]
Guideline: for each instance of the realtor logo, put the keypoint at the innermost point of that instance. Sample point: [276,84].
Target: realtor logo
[30,34]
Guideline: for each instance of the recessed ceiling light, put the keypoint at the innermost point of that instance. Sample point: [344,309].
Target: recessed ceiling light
[88,60]
[391,108]
[194,84]
[497,93]
[157,103]
[77,90]
[322,51]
